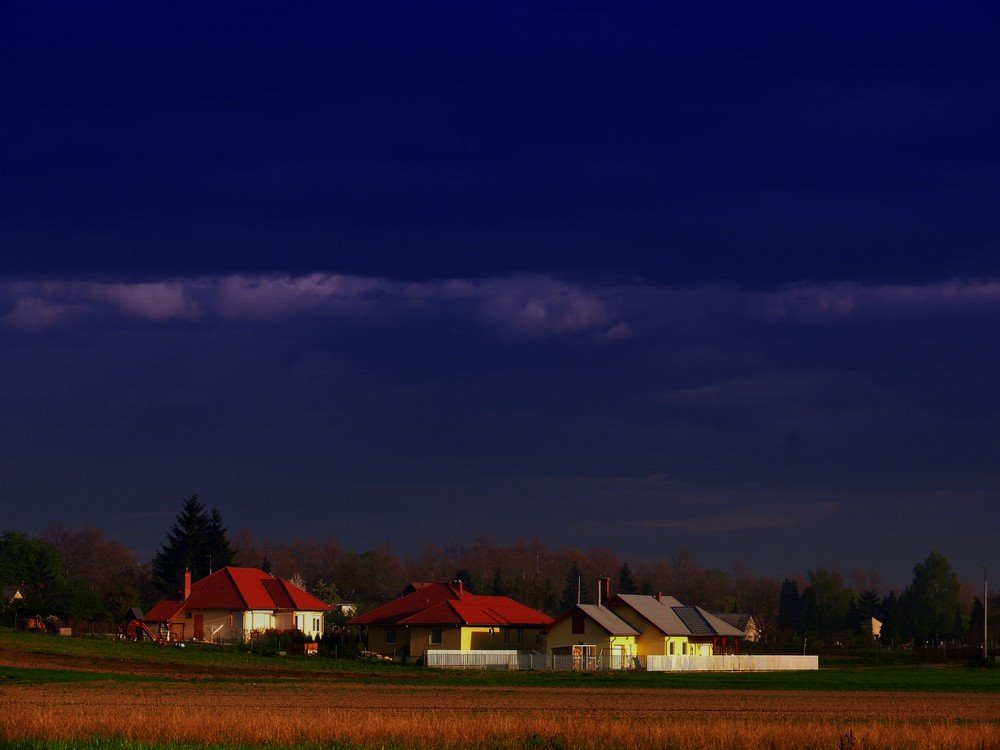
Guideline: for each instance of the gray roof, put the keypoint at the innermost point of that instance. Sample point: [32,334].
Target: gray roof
[607,619]
[671,617]
[659,612]
[738,620]
[695,624]
[700,622]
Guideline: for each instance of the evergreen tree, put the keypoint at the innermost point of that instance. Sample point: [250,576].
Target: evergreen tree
[790,608]
[550,599]
[626,581]
[196,540]
[499,588]
[220,552]
[574,583]
[976,622]
[825,602]
[891,619]
[869,606]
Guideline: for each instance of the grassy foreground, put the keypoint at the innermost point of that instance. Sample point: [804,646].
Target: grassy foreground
[31,659]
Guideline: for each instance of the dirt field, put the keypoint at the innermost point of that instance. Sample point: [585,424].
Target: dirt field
[413,716]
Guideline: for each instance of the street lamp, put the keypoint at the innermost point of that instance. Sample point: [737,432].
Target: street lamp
[986,596]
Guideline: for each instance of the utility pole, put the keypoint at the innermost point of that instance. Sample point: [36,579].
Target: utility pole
[986,597]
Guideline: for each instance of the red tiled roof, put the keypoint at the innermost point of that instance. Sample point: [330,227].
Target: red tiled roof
[238,589]
[163,610]
[444,604]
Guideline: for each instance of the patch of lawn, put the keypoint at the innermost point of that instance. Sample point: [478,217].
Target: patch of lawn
[19,676]
[116,660]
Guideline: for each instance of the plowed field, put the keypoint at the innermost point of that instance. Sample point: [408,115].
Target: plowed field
[289,713]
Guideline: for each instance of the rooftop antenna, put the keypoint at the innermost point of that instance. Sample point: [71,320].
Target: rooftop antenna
[579,585]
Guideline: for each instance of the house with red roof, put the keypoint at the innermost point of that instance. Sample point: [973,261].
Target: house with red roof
[233,602]
[446,616]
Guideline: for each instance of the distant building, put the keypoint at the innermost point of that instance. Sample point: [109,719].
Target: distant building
[743,622]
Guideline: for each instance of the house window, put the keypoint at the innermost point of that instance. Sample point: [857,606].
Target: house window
[520,636]
[672,644]
[506,636]
[316,627]
[579,624]
[436,636]
[684,648]
[390,636]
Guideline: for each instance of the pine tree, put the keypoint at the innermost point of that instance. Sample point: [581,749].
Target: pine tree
[569,594]
[499,587]
[217,547]
[626,581]
[195,541]
[790,608]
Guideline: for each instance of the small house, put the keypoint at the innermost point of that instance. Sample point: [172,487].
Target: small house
[594,636]
[232,603]
[445,616]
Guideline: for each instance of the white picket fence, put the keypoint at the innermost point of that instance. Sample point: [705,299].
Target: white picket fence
[472,659]
[522,660]
[730,663]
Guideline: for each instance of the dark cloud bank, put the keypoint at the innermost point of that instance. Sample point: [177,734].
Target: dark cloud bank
[791,427]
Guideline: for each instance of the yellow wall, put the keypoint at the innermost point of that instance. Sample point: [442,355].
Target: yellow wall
[520,639]
[652,641]
[453,638]
[561,634]
[377,643]
[420,639]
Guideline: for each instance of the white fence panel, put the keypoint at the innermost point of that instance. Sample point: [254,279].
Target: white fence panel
[730,663]
[472,659]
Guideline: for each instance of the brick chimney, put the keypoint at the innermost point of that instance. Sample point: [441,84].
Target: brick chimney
[659,596]
[187,584]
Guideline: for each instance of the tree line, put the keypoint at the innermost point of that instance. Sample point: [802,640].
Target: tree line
[79,574]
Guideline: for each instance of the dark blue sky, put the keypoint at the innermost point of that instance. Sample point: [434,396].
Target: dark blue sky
[654,275]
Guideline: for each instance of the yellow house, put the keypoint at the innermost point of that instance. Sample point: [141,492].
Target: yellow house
[668,628]
[594,636]
[433,616]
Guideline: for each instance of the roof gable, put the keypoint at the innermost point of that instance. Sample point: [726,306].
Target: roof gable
[658,612]
[234,588]
[444,604]
[603,617]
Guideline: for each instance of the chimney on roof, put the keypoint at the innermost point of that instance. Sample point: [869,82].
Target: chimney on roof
[187,584]
[659,596]
[461,588]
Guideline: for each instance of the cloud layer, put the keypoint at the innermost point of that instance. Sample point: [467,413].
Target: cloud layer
[521,306]
[528,306]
